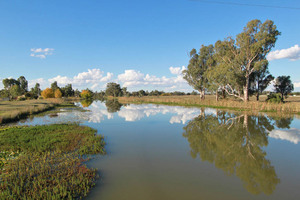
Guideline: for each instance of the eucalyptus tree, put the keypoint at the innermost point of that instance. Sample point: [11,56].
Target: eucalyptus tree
[197,67]
[113,89]
[260,80]
[283,85]
[23,84]
[9,82]
[246,55]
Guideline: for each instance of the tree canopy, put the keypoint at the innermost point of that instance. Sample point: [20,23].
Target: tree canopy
[283,85]
[233,64]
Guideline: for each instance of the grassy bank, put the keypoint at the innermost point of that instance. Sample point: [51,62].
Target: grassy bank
[291,106]
[16,110]
[47,162]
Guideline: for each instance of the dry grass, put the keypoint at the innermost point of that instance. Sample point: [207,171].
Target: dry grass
[14,110]
[291,106]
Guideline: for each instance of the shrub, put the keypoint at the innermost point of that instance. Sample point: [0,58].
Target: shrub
[57,93]
[47,93]
[86,94]
[274,98]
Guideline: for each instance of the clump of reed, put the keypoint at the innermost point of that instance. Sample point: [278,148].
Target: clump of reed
[51,161]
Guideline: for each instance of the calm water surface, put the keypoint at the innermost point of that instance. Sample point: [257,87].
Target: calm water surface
[169,152]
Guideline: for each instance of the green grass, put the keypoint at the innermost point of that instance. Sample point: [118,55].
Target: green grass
[47,162]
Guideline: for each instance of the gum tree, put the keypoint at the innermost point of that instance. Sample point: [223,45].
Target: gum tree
[246,55]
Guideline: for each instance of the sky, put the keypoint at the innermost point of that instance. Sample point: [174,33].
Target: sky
[140,44]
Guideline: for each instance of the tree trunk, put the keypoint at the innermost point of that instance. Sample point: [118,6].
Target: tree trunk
[246,90]
[217,96]
[257,95]
[202,94]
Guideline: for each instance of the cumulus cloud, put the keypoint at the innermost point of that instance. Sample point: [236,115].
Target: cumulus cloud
[292,53]
[92,78]
[134,78]
[41,53]
[297,85]
[291,135]
[177,70]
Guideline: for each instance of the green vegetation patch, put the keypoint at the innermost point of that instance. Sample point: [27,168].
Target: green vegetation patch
[47,162]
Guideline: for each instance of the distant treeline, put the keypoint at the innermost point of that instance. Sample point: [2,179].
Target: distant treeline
[18,89]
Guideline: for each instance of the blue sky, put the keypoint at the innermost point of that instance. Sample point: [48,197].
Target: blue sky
[134,42]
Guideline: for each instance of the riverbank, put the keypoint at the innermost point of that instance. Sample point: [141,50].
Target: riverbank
[47,162]
[292,105]
[15,110]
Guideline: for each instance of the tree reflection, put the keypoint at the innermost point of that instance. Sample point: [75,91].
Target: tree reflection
[86,102]
[234,144]
[113,105]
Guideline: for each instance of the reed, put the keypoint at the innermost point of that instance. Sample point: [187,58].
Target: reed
[16,110]
[231,104]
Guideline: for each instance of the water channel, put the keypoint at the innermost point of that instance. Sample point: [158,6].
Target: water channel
[171,152]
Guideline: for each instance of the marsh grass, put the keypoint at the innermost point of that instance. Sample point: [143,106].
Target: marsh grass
[15,110]
[291,106]
[51,161]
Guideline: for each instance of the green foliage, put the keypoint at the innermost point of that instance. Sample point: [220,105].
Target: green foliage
[23,84]
[57,137]
[86,94]
[283,85]
[199,64]
[274,98]
[67,91]
[113,89]
[15,91]
[54,86]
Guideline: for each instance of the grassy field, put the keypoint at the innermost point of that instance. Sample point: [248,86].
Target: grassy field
[15,110]
[47,162]
[292,105]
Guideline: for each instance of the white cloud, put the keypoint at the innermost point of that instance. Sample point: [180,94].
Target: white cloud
[292,53]
[292,135]
[177,70]
[136,79]
[297,85]
[41,53]
[132,79]
[43,83]
[92,78]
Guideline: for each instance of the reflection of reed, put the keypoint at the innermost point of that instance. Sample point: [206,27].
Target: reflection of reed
[234,144]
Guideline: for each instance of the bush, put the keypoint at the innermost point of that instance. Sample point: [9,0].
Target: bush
[86,94]
[57,93]
[274,98]
[47,93]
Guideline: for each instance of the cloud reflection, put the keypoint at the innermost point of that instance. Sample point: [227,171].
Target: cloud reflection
[291,135]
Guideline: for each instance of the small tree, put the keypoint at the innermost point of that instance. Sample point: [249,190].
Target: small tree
[15,91]
[113,89]
[86,94]
[23,84]
[47,93]
[57,93]
[283,85]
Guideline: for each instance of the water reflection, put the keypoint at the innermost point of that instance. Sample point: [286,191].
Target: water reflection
[234,143]
[86,102]
[113,105]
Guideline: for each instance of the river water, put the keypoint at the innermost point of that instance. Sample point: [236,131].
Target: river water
[171,152]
